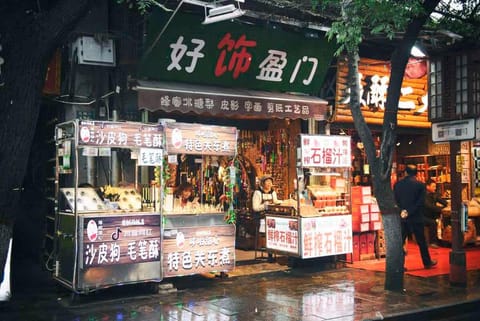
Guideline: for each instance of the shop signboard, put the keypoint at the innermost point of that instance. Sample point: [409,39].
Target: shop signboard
[234,55]
[454,130]
[198,249]
[120,240]
[325,151]
[119,134]
[282,234]
[326,235]
[198,139]
[374,79]
[231,103]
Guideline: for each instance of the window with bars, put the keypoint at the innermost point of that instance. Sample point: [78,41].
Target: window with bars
[476,92]
[461,85]
[435,89]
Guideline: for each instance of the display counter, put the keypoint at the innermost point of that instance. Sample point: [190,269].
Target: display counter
[111,248]
[318,222]
[106,234]
[197,243]
[199,236]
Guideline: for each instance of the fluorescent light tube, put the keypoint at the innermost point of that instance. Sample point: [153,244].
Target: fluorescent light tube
[222,17]
[221,10]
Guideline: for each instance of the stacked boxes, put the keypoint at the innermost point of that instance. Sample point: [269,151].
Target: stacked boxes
[366,221]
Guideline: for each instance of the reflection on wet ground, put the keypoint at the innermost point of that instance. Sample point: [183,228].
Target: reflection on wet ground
[314,291]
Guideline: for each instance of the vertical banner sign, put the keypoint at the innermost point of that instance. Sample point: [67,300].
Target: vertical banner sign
[325,151]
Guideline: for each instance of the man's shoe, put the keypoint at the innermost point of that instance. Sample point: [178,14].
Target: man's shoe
[431,265]
[434,246]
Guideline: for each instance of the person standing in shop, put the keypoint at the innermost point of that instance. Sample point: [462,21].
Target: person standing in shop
[433,208]
[262,197]
[410,197]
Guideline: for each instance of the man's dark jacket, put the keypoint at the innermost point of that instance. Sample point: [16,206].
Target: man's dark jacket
[432,210]
[410,195]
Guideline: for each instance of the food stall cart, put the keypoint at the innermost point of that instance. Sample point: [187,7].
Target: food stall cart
[114,237]
[197,238]
[318,222]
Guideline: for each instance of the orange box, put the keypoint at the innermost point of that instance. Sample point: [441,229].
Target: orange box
[371,242]
[361,199]
[361,190]
[356,247]
[358,209]
[358,226]
[374,217]
[363,243]
[374,208]
[375,226]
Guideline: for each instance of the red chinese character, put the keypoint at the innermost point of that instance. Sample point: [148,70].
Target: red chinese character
[239,60]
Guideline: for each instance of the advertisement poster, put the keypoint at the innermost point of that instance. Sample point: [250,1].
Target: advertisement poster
[114,240]
[195,250]
[325,236]
[282,234]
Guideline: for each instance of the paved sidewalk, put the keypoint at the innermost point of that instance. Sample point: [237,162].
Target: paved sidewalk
[313,290]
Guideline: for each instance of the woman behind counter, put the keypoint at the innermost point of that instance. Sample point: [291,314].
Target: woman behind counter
[261,198]
[265,195]
[184,196]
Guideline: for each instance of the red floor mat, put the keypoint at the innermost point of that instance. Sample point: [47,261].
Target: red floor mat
[414,265]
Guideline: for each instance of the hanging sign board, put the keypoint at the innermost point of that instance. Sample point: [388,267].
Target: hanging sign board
[119,134]
[325,151]
[197,139]
[150,157]
[464,129]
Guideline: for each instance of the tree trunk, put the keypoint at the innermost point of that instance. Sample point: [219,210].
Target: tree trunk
[380,166]
[26,50]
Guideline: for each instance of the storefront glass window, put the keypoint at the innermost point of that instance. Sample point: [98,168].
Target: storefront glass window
[435,85]
[461,88]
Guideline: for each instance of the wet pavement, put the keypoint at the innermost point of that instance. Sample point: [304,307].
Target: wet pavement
[310,290]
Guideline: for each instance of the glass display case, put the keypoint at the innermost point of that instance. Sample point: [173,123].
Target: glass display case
[199,234]
[318,221]
[107,230]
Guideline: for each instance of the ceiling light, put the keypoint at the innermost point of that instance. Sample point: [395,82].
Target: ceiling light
[227,12]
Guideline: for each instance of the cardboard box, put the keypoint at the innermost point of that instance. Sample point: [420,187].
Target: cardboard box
[374,217]
[361,199]
[358,209]
[371,242]
[375,226]
[361,190]
[374,208]
[358,226]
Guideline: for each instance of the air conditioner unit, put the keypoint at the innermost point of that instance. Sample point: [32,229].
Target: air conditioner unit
[92,51]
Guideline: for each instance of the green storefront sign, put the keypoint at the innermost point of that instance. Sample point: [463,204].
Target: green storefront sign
[235,55]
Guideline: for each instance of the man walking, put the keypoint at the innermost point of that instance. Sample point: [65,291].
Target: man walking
[410,198]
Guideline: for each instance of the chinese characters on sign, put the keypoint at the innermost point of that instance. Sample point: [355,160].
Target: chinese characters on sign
[111,240]
[201,139]
[235,58]
[150,157]
[255,106]
[325,151]
[328,235]
[116,134]
[194,250]
[282,234]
